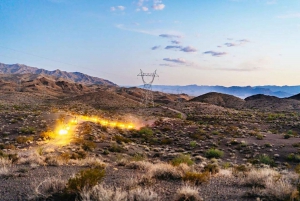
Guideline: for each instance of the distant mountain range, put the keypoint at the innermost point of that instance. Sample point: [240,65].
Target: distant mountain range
[239,91]
[69,76]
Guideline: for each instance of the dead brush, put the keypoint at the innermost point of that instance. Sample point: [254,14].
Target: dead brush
[196,178]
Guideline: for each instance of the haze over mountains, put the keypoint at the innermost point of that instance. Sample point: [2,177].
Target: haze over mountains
[239,91]
[69,76]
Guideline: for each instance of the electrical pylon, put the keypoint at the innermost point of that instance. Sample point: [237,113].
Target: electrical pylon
[148,96]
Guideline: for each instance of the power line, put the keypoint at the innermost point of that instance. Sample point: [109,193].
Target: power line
[148,95]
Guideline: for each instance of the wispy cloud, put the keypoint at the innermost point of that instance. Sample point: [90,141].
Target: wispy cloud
[178,61]
[188,49]
[215,54]
[240,42]
[173,47]
[122,27]
[155,47]
[158,5]
[114,8]
[175,42]
[291,15]
[170,36]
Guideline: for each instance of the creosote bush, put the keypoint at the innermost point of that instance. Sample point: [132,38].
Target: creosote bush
[196,178]
[214,153]
[182,159]
[85,179]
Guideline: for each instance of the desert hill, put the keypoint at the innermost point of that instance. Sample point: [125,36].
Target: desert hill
[220,99]
[295,97]
[69,76]
[40,84]
[271,103]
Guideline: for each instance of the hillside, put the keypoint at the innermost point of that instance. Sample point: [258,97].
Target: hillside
[47,85]
[70,76]
[220,99]
[271,103]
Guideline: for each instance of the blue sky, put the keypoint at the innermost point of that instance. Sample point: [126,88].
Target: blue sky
[220,42]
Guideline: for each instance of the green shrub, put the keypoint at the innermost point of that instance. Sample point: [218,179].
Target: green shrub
[88,145]
[23,139]
[166,141]
[119,139]
[115,148]
[27,130]
[287,136]
[214,153]
[213,168]
[293,157]
[193,144]
[259,137]
[85,179]
[265,159]
[196,178]
[146,132]
[182,159]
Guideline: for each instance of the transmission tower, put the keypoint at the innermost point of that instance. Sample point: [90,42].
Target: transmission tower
[148,96]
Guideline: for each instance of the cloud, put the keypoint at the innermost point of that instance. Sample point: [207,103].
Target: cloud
[215,54]
[168,65]
[291,15]
[240,42]
[178,61]
[188,49]
[121,7]
[230,44]
[175,42]
[155,47]
[158,6]
[117,8]
[122,27]
[173,47]
[144,8]
[170,36]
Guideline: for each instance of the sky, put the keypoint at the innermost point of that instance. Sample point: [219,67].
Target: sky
[203,42]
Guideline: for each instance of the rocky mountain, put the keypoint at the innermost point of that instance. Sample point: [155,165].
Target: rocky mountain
[69,76]
[220,99]
[42,84]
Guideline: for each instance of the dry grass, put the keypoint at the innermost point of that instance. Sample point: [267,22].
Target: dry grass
[188,193]
[50,186]
[30,158]
[164,171]
[5,167]
[258,177]
[106,193]
[140,165]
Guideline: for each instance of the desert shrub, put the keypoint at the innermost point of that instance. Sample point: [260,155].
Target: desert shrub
[138,157]
[85,179]
[119,139]
[214,153]
[27,130]
[287,136]
[196,178]
[9,146]
[80,154]
[258,177]
[143,195]
[5,167]
[88,145]
[182,159]
[240,169]
[164,171]
[116,148]
[146,132]
[48,135]
[213,168]
[293,157]
[50,186]
[23,139]
[193,144]
[259,137]
[266,159]
[166,141]
[140,165]
[187,193]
